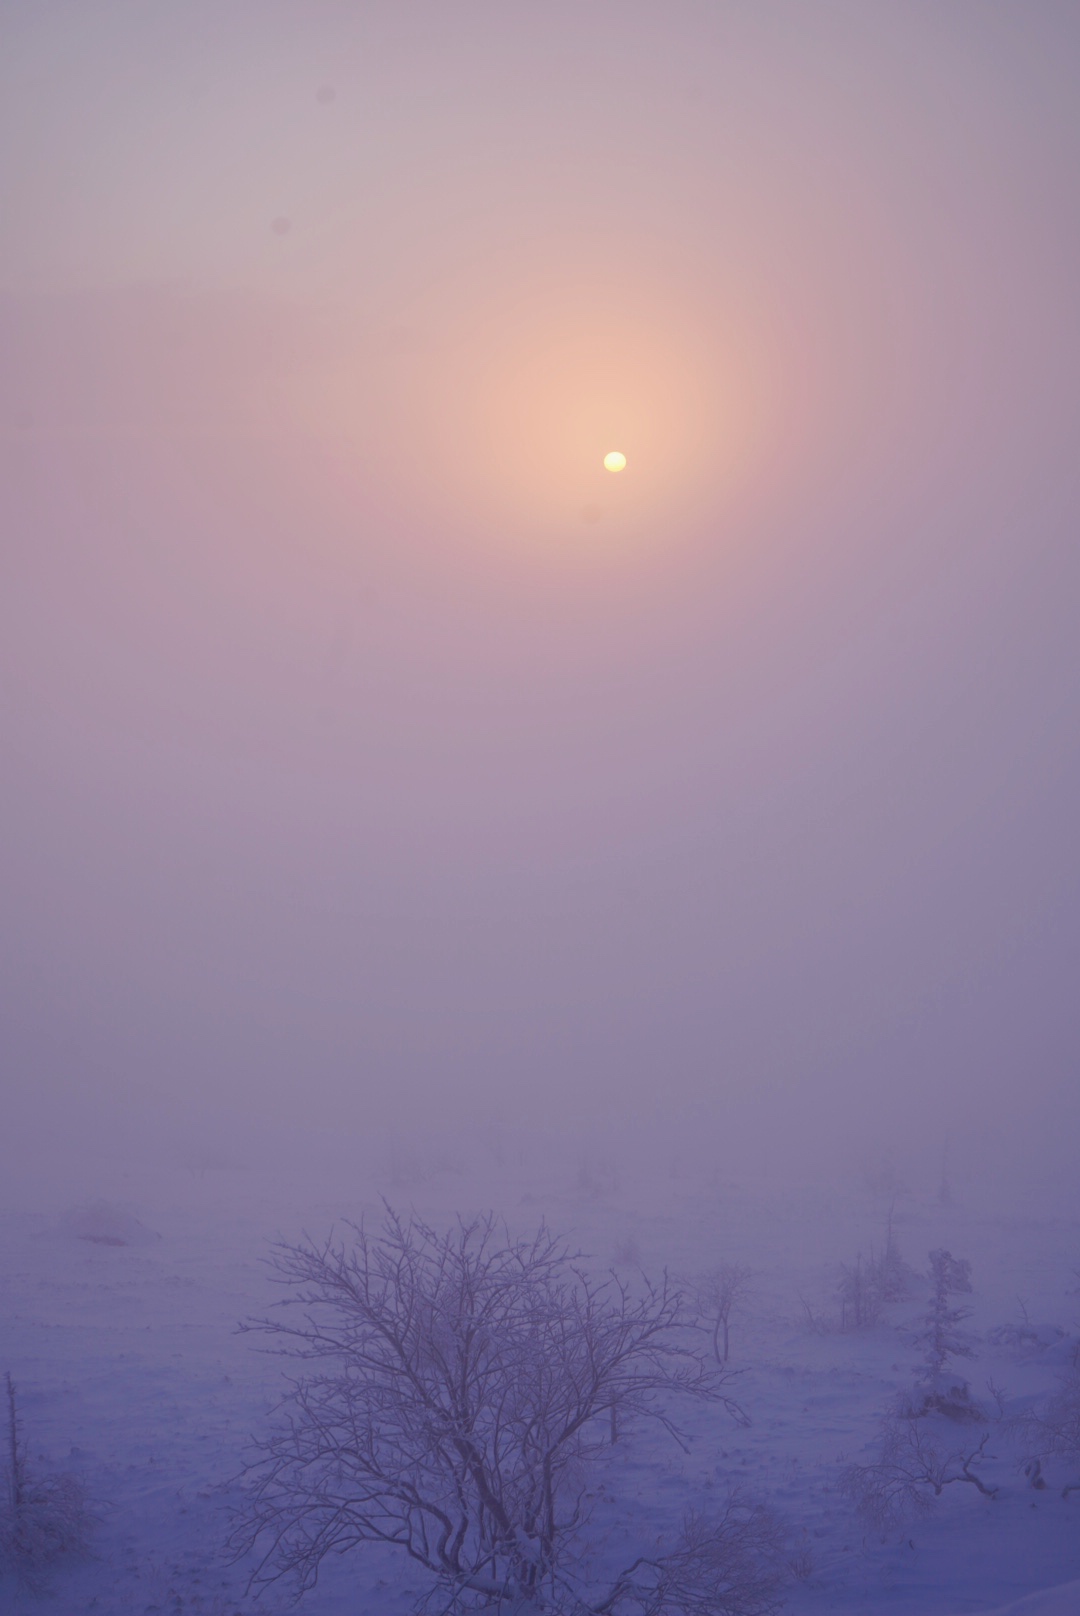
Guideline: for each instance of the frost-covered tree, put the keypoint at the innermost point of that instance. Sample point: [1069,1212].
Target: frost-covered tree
[866,1288]
[43,1519]
[459,1398]
[719,1294]
[891,1271]
[944,1338]
[860,1295]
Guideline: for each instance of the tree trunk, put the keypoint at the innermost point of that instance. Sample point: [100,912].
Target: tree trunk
[13,1453]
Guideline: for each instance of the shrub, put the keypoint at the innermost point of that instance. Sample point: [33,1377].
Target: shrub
[44,1519]
[464,1386]
[1055,1429]
[915,1463]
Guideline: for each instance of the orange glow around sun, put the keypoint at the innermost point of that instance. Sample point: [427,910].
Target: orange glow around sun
[496,413]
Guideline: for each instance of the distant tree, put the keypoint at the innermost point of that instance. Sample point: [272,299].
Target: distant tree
[860,1295]
[43,1519]
[943,1338]
[720,1294]
[462,1391]
[892,1273]
[865,1289]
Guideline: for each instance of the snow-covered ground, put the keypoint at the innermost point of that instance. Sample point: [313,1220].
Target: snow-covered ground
[121,1289]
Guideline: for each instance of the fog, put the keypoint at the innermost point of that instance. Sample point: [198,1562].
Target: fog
[374,762]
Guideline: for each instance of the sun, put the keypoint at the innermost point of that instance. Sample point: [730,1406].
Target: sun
[614,461]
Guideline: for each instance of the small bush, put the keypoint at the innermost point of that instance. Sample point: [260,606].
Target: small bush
[866,1289]
[916,1461]
[42,1519]
[1055,1429]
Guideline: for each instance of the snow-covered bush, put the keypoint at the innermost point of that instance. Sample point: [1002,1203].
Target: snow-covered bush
[917,1459]
[104,1224]
[1021,1337]
[43,1519]
[919,1454]
[465,1386]
[730,1562]
[1054,1429]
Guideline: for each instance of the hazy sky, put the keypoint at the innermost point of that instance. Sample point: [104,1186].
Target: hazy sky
[368,750]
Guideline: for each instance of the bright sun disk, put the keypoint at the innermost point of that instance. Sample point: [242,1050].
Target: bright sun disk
[614,461]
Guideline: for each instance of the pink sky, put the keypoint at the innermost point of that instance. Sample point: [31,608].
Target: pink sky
[369,745]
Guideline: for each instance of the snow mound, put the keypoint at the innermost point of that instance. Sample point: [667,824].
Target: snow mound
[1063,1600]
[106,1225]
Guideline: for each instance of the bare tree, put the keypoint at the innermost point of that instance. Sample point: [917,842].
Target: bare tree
[860,1295]
[866,1288]
[892,1273]
[913,1467]
[719,1295]
[729,1563]
[1054,1430]
[43,1519]
[462,1390]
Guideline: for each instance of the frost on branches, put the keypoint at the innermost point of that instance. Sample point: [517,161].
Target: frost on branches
[460,1389]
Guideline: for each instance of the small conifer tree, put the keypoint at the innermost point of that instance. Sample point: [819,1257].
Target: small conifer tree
[944,1338]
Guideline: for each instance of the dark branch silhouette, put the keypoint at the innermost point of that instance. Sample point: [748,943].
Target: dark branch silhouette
[461,1387]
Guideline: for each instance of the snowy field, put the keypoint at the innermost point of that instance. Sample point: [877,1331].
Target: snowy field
[121,1296]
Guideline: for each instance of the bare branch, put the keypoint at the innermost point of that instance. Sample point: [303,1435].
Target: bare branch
[43,1519]
[719,1294]
[729,1565]
[1054,1430]
[460,1385]
[913,1468]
